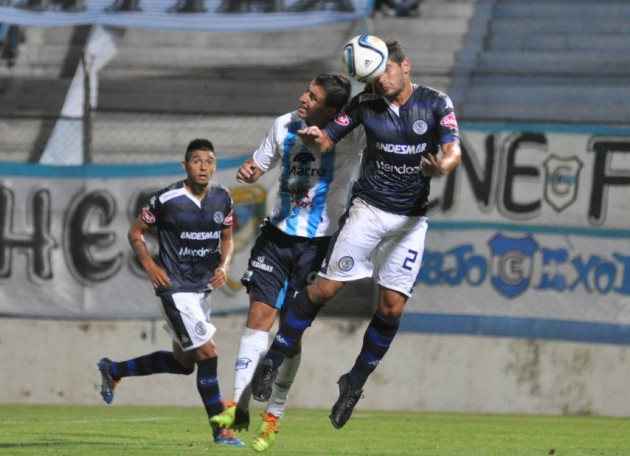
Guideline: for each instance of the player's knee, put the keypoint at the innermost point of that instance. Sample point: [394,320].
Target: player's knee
[322,290]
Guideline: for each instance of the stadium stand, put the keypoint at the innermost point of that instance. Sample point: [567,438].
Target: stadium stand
[164,87]
[561,61]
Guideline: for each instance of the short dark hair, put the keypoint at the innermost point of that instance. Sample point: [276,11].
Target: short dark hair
[198,144]
[395,51]
[337,87]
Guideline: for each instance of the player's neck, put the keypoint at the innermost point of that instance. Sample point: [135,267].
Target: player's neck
[403,96]
[198,191]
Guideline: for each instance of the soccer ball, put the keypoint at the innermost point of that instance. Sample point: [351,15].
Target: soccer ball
[365,57]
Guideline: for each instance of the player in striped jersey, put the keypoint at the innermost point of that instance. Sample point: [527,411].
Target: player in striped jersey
[312,195]
[382,233]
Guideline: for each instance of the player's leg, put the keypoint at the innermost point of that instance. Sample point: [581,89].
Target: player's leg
[253,344]
[159,362]
[347,259]
[188,320]
[266,282]
[397,263]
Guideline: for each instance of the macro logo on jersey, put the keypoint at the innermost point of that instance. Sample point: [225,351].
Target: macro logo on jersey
[346,263]
[342,119]
[229,219]
[449,121]
[303,160]
[199,235]
[200,328]
[259,263]
[402,148]
[147,215]
[420,127]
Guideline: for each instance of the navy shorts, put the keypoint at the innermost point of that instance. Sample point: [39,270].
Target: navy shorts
[281,265]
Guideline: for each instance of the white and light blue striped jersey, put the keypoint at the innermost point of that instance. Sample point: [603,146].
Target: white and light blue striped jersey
[313,187]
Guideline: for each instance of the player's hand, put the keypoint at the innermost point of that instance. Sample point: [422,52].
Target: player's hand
[158,276]
[219,279]
[248,173]
[316,139]
[309,134]
[431,166]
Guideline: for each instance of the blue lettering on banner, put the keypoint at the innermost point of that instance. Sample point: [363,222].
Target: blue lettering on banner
[507,265]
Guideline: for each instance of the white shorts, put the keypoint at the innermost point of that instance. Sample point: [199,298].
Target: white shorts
[187,318]
[372,242]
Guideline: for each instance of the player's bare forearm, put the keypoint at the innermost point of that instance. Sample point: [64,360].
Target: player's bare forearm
[447,161]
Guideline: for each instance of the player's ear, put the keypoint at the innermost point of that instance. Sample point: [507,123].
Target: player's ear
[185,166]
[406,66]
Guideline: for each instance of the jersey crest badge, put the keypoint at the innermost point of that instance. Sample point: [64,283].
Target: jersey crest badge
[147,216]
[218,217]
[342,119]
[420,127]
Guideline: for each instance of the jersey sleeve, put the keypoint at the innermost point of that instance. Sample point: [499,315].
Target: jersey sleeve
[265,156]
[448,130]
[151,211]
[228,219]
[346,121]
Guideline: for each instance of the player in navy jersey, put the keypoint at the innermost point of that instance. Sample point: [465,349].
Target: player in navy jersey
[382,233]
[312,195]
[193,218]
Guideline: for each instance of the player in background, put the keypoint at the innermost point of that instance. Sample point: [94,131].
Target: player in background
[293,240]
[193,218]
[406,125]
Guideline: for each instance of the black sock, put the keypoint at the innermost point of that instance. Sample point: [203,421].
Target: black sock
[160,362]
[299,317]
[376,341]
[208,386]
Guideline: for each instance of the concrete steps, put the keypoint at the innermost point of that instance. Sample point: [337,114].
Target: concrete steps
[551,61]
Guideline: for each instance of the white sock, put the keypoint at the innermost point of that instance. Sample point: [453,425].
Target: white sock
[284,380]
[252,346]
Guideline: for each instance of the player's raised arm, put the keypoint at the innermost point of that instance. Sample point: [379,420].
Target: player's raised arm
[316,139]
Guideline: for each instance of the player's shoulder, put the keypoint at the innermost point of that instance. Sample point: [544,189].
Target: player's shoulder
[429,93]
[366,97]
[215,188]
[285,121]
[170,191]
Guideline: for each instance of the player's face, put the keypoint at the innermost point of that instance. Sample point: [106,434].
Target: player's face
[200,167]
[392,82]
[313,105]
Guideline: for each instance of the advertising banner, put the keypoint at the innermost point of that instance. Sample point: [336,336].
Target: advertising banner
[529,237]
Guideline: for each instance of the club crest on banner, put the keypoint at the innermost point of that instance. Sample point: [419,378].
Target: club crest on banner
[561,181]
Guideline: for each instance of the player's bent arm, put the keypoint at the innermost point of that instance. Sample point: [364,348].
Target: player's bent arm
[316,139]
[158,277]
[451,156]
[249,172]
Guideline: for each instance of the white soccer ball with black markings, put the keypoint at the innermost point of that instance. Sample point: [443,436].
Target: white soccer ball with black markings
[365,57]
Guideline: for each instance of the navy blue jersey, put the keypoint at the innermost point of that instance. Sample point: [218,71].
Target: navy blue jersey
[397,138]
[189,233]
